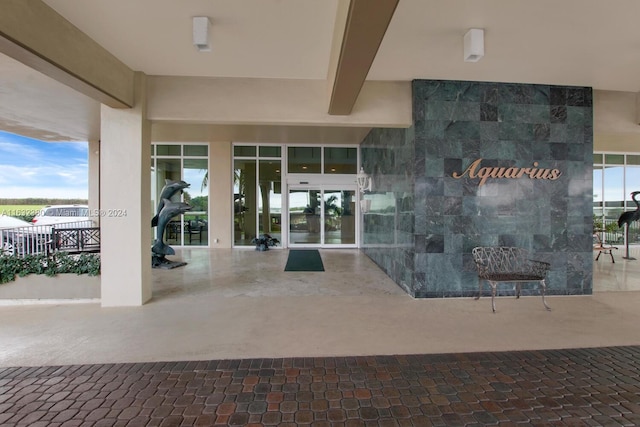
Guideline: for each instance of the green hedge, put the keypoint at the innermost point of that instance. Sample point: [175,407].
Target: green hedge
[51,265]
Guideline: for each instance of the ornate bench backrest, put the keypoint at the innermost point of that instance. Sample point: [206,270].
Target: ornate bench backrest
[500,260]
[508,264]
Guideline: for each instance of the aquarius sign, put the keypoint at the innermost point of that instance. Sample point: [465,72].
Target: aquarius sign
[475,171]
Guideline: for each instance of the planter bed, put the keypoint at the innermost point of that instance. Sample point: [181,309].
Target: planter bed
[61,286]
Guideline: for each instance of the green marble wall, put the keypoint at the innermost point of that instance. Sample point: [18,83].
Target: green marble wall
[424,222]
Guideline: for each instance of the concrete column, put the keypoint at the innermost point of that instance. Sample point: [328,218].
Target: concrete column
[94,181]
[125,191]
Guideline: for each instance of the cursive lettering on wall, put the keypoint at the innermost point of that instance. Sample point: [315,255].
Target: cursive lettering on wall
[475,171]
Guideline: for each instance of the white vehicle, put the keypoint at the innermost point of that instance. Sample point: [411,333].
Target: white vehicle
[7,221]
[20,237]
[57,214]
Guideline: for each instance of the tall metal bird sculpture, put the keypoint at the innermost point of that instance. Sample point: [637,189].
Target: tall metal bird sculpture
[627,218]
[630,216]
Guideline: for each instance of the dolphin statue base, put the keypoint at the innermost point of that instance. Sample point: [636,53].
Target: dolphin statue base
[160,261]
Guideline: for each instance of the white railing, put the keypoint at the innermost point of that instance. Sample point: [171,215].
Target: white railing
[35,239]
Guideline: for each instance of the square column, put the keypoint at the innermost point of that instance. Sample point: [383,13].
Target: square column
[125,202]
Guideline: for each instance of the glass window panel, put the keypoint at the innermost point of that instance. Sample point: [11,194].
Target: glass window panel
[244,202]
[304,160]
[339,221]
[597,159]
[633,159]
[270,200]
[168,150]
[244,151]
[613,191]
[167,169]
[340,160]
[598,191]
[614,159]
[270,151]
[196,150]
[196,221]
[632,180]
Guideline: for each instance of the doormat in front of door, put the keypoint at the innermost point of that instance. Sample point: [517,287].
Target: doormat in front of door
[304,260]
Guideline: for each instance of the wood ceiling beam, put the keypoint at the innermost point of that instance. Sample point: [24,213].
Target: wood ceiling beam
[364,28]
[36,35]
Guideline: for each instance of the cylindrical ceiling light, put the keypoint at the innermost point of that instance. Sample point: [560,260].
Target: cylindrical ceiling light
[474,45]
[201,33]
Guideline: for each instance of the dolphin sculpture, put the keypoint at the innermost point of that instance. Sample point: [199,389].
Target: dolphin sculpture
[170,188]
[168,211]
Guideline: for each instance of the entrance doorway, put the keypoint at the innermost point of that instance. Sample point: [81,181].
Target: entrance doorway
[322,216]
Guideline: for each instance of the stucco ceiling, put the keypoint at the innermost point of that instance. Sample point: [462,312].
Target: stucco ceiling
[569,42]
[574,42]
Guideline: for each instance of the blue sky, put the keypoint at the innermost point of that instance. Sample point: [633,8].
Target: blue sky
[33,168]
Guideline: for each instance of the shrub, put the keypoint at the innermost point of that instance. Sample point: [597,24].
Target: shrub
[50,265]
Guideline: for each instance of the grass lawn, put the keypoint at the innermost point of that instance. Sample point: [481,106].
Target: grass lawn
[20,211]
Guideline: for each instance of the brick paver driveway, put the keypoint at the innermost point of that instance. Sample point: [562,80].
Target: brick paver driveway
[576,387]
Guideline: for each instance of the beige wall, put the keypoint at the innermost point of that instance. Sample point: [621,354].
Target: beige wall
[615,121]
[273,102]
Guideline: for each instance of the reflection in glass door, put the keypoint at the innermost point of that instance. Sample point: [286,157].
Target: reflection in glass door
[304,217]
[321,217]
[339,218]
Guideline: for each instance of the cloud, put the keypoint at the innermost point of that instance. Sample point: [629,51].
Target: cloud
[13,151]
[44,192]
[32,168]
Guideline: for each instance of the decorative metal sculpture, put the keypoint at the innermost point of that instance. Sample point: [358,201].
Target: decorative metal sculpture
[170,188]
[263,242]
[626,219]
[167,210]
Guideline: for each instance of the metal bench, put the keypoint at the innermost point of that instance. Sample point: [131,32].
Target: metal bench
[602,248]
[508,264]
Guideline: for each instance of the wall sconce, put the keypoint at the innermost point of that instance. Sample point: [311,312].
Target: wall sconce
[474,45]
[364,181]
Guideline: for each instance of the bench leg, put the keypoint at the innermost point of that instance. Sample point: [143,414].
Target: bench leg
[493,295]
[543,287]
[611,253]
[599,253]
[479,289]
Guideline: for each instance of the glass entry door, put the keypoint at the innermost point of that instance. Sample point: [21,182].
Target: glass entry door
[321,217]
[305,217]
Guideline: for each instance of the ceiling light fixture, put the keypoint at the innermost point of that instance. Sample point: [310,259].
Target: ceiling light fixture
[474,45]
[201,33]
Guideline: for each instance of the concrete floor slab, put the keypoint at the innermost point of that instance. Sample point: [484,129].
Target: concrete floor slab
[241,304]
